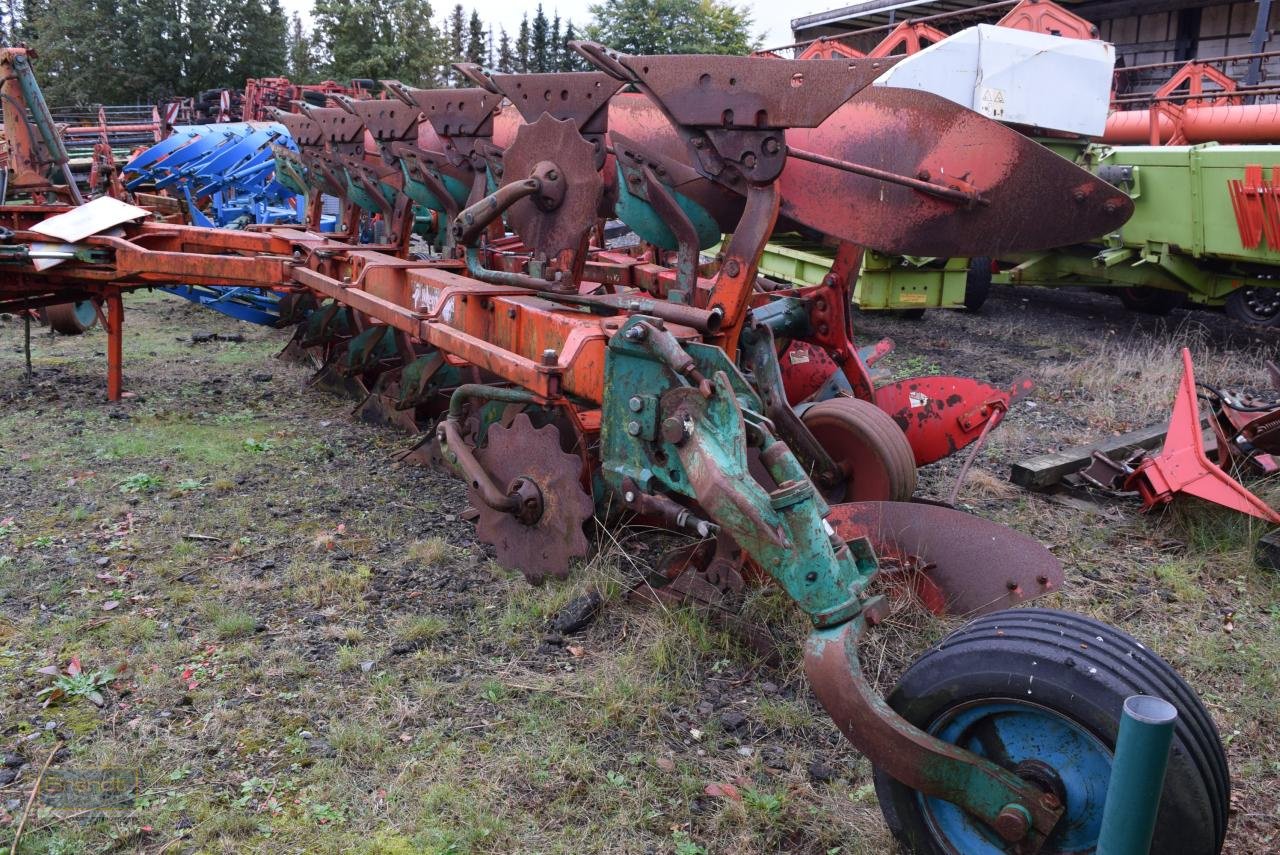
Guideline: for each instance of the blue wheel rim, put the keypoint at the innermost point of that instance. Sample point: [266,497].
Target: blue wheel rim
[86,313]
[1009,732]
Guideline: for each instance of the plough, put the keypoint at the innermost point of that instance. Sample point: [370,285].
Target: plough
[565,382]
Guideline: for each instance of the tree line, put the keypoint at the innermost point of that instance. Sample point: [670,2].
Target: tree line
[139,51]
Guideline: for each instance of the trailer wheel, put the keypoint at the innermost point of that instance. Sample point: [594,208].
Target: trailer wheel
[1039,692]
[869,447]
[71,318]
[1151,301]
[977,283]
[1260,306]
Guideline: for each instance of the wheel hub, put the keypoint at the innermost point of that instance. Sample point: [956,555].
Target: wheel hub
[1263,302]
[528,500]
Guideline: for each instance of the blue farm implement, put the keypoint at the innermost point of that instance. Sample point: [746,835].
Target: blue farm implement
[223,175]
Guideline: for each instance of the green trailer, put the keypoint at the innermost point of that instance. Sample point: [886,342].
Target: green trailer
[884,282]
[1198,234]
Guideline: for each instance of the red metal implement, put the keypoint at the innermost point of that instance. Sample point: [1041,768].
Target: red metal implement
[1183,467]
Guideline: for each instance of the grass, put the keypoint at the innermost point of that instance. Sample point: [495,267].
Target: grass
[464,735]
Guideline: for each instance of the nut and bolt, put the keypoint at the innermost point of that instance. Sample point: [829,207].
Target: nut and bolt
[635,333]
[636,404]
[549,357]
[673,430]
[771,145]
[732,268]
[1013,822]
[633,428]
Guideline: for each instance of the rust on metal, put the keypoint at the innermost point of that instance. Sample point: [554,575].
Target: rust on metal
[929,138]
[541,534]
[552,151]
[970,566]
[922,762]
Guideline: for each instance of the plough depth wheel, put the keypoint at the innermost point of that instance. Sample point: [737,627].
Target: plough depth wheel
[869,448]
[71,318]
[1039,692]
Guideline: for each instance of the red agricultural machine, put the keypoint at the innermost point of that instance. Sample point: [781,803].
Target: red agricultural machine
[570,385]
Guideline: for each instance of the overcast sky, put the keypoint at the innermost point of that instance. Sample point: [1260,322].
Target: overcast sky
[772,20]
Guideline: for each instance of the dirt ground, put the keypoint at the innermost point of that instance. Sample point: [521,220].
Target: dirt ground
[299,647]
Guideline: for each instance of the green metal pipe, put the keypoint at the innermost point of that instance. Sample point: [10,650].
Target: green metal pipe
[465,392]
[1137,776]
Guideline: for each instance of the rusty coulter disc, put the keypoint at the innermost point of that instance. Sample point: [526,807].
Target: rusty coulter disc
[545,531]
[555,219]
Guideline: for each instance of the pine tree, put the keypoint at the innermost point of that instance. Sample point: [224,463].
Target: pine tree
[259,34]
[522,47]
[416,45]
[457,42]
[555,47]
[538,42]
[24,28]
[301,58]
[475,39]
[490,56]
[672,26]
[379,39]
[570,61]
[506,58]
[69,62]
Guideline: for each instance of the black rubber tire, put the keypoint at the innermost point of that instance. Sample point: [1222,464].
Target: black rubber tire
[1083,670]
[977,283]
[1257,306]
[849,427]
[1151,301]
[71,318]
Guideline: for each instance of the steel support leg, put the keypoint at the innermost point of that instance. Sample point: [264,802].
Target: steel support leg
[115,346]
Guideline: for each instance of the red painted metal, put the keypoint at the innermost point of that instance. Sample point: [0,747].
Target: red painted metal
[1043,16]
[1206,85]
[805,369]
[907,38]
[1183,467]
[826,49]
[942,414]
[1197,114]
[115,345]
[1256,203]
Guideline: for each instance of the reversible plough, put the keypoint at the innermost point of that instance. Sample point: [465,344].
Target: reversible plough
[565,382]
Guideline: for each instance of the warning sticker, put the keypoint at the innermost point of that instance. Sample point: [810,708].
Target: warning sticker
[427,298]
[799,356]
[993,103]
[918,400]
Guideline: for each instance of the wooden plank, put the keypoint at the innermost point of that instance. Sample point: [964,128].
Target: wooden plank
[1046,470]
